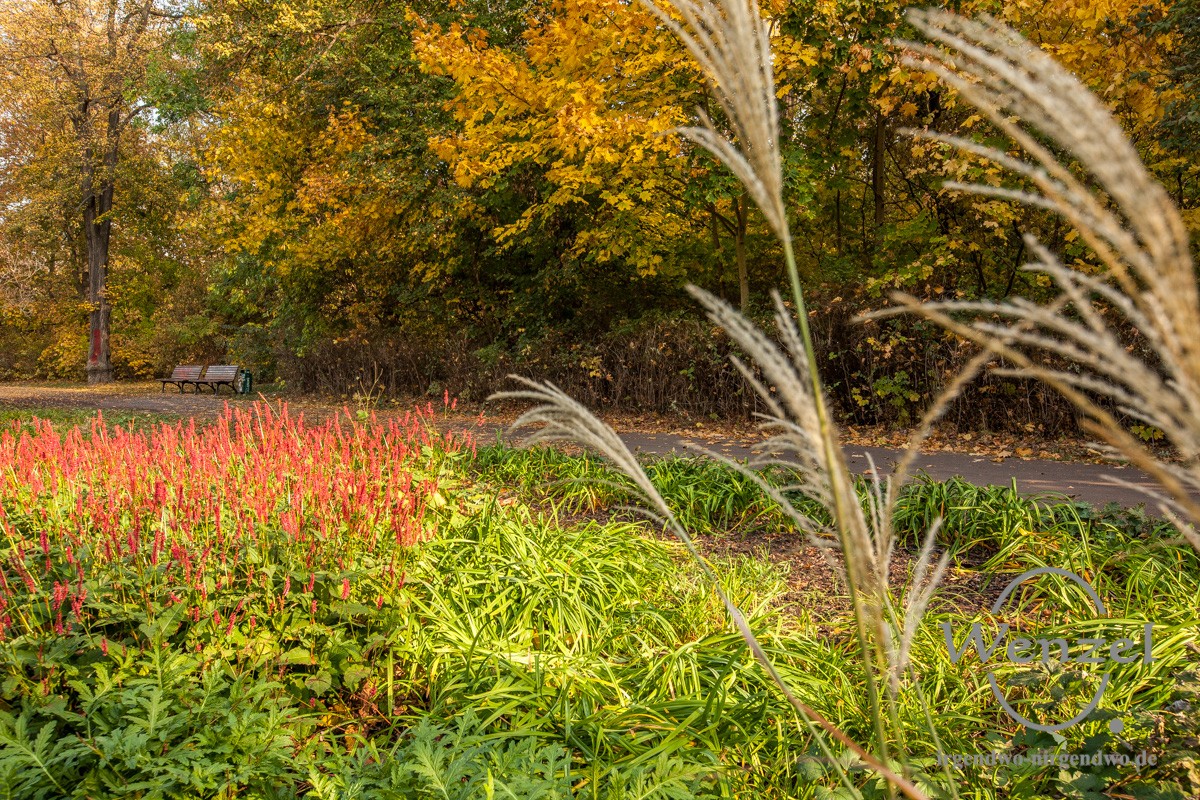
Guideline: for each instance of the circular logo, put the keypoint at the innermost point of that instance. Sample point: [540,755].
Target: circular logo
[1001,698]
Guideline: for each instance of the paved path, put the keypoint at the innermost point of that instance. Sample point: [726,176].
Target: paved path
[1093,483]
[1089,482]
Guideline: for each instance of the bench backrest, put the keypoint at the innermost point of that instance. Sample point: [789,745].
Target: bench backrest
[186,372]
[221,372]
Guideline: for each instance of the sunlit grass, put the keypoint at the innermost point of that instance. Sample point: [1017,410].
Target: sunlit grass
[66,418]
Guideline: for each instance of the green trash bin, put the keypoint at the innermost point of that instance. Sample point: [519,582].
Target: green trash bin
[247,382]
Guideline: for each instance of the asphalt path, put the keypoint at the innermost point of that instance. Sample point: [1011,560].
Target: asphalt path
[1098,484]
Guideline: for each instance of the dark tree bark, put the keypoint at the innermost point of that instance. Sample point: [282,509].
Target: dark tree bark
[739,241]
[736,227]
[878,151]
[97,227]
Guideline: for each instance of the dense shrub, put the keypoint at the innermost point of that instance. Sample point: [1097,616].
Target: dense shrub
[878,373]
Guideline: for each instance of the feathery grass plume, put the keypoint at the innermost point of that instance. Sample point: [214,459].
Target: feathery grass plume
[1134,229]
[731,41]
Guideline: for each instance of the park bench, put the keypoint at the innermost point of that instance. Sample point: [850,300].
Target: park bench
[182,375]
[219,375]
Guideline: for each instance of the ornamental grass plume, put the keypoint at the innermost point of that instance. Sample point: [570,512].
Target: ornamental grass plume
[731,42]
[1148,280]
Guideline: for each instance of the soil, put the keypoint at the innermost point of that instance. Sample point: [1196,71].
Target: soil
[817,587]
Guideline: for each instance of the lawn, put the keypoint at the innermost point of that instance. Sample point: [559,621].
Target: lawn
[261,607]
[29,420]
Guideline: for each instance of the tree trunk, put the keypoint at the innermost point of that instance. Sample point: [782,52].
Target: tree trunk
[878,152]
[97,229]
[837,222]
[736,227]
[739,240]
[99,365]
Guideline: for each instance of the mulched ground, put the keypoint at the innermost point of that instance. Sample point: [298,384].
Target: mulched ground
[817,589]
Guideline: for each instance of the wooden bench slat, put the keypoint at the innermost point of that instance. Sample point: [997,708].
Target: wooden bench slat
[218,375]
[182,375]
